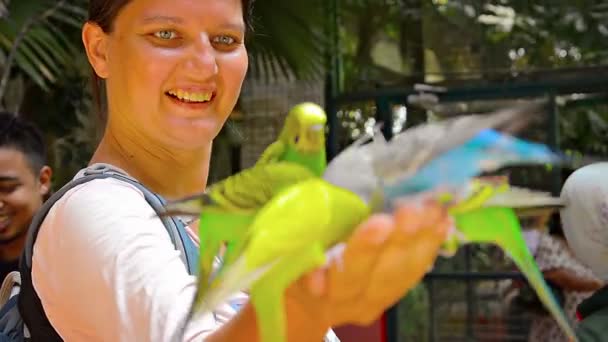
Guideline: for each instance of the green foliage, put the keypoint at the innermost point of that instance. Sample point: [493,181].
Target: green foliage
[380,41]
[288,39]
[67,116]
[72,151]
[34,34]
[584,129]
[467,38]
[413,315]
[562,33]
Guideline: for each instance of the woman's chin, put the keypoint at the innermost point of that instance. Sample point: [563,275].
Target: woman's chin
[193,137]
[194,126]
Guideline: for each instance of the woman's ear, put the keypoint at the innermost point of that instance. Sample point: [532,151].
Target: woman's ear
[95,45]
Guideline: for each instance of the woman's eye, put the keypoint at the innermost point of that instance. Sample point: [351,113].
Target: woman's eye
[165,34]
[224,40]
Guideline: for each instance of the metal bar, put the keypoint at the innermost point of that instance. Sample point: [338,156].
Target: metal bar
[553,142]
[332,81]
[392,324]
[337,56]
[384,114]
[590,101]
[470,294]
[432,305]
[333,124]
[474,276]
[515,89]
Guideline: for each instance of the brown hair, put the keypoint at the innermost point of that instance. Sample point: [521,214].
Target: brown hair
[104,12]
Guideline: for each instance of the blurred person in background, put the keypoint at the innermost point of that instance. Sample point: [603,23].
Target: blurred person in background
[570,280]
[585,223]
[25,182]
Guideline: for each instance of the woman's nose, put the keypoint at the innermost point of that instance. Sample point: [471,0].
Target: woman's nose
[202,62]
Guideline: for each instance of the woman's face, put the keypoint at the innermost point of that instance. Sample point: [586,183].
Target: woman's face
[173,69]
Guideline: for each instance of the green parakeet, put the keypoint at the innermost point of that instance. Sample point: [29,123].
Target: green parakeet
[227,209]
[290,234]
[495,221]
[302,139]
[490,215]
[230,204]
[288,237]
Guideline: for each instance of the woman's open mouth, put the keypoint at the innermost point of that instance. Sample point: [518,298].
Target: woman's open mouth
[190,99]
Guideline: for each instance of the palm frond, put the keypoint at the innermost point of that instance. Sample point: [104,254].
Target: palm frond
[288,39]
[32,37]
[3,8]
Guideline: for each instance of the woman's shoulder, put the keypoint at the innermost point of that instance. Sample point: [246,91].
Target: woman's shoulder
[101,207]
[102,238]
[100,219]
[102,194]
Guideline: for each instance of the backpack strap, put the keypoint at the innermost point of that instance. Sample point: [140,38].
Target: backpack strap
[29,302]
[179,236]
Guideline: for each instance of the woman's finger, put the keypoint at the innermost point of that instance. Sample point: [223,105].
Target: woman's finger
[358,258]
[385,257]
[401,267]
[316,282]
[403,264]
[410,219]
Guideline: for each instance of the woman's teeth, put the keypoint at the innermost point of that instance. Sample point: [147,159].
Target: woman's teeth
[190,97]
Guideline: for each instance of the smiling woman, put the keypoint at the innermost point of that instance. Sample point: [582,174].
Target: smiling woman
[105,270]
[180,69]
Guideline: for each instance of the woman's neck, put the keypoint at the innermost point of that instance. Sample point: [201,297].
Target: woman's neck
[171,174]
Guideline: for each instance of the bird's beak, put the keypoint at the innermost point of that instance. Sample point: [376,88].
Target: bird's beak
[316,128]
[314,138]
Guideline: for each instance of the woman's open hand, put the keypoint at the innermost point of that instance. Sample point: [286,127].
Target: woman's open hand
[384,258]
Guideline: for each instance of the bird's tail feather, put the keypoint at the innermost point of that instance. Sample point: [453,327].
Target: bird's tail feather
[187,206]
[237,277]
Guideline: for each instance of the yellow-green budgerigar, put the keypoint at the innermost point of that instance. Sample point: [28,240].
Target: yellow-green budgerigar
[302,139]
[291,233]
[228,206]
[497,192]
[489,214]
[494,219]
[226,211]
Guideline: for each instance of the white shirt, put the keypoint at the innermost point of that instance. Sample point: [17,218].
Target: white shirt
[105,269]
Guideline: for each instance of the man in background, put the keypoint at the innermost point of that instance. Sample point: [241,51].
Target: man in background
[25,182]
